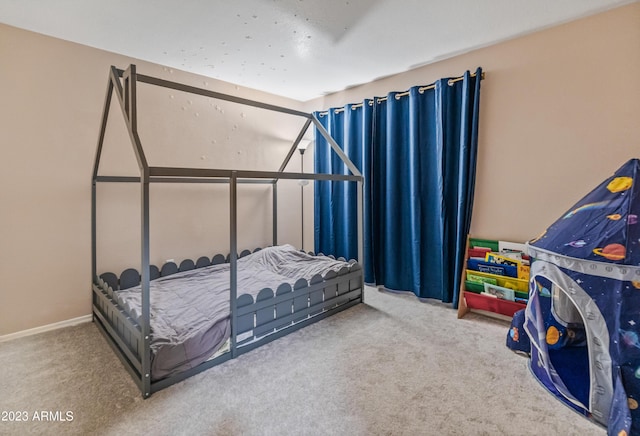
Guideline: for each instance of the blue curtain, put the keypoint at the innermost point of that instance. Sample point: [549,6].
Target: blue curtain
[419,163]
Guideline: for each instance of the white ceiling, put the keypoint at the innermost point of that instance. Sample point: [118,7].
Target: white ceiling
[296,48]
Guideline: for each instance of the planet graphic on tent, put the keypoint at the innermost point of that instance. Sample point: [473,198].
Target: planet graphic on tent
[553,335]
[630,338]
[612,252]
[614,217]
[620,184]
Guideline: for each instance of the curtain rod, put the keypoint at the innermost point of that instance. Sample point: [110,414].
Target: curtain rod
[398,95]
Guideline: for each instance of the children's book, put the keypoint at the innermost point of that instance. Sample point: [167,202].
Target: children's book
[473,277]
[504,281]
[502,259]
[512,246]
[499,291]
[521,295]
[523,272]
[492,268]
[478,253]
[476,287]
[490,244]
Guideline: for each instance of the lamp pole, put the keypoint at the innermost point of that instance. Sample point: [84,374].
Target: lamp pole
[302,198]
[302,146]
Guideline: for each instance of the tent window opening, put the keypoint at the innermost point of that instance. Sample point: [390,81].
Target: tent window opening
[567,344]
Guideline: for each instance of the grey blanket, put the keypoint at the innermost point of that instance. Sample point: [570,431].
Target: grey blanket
[190,310]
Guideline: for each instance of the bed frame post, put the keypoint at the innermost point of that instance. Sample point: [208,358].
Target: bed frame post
[94,262]
[145,276]
[131,110]
[360,219]
[233,257]
[145,279]
[275,212]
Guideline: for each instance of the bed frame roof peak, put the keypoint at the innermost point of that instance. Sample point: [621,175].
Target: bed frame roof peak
[124,83]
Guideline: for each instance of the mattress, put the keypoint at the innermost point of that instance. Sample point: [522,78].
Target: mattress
[190,310]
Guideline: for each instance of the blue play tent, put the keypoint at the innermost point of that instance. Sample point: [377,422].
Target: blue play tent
[583,316]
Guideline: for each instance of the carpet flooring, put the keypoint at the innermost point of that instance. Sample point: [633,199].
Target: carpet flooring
[391,366]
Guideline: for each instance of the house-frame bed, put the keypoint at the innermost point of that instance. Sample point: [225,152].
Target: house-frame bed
[253,322]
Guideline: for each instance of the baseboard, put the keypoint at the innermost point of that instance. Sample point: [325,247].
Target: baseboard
[46,328]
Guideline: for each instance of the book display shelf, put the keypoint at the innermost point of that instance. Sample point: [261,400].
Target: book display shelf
[495,280]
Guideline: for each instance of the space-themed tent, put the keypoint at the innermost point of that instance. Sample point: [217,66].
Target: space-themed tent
[583,316]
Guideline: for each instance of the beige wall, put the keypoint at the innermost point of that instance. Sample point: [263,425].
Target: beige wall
[560,111]
[52,95]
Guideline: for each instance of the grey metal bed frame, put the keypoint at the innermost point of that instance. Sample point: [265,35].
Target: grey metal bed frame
[275,313]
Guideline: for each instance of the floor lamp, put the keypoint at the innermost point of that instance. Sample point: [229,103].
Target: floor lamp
[302,146]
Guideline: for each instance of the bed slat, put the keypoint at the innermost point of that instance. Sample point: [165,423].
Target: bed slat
[245,323]
[187,265]
[168,269]
[330,291]
[217,259]
[300,303]
[154,272]
[315,297]
[129,278]
[284,309]
[110,279]
[343,286]
[202,262]
[265,315]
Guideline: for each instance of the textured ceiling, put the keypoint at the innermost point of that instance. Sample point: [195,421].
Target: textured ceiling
[296,48]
